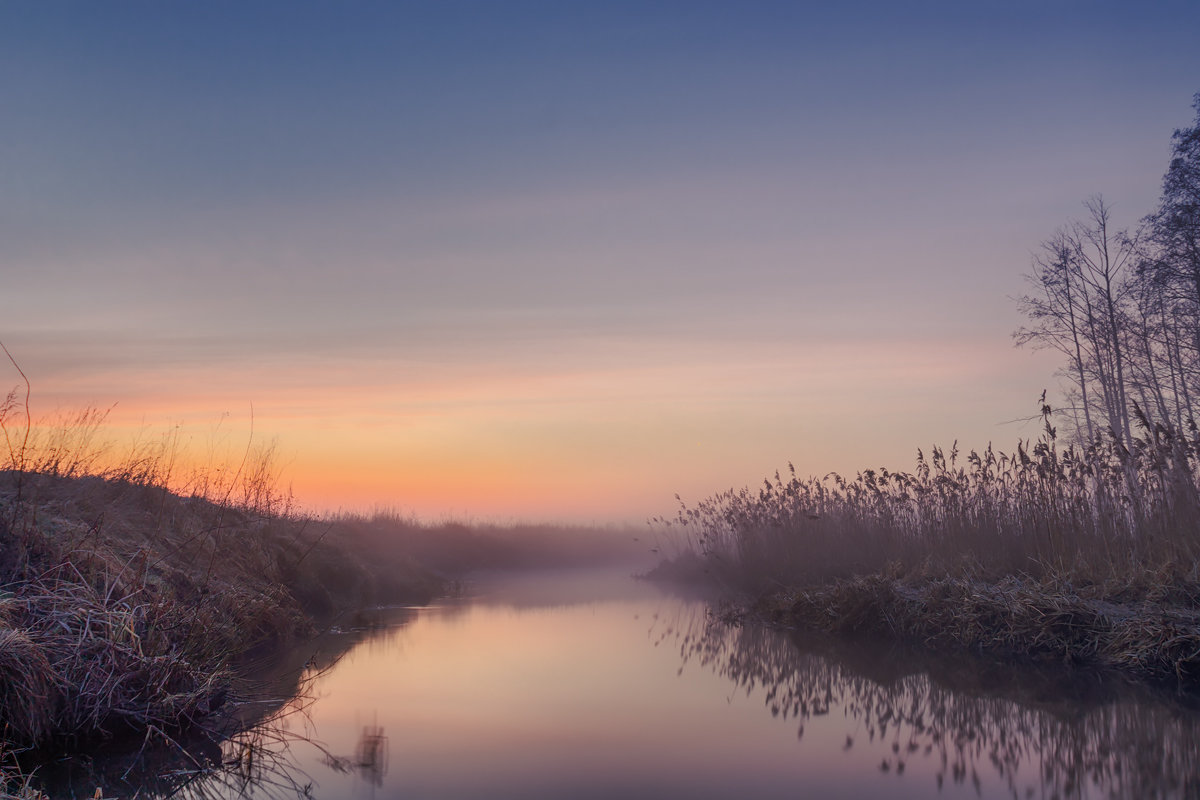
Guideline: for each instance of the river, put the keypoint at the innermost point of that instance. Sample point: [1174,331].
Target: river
[590,684]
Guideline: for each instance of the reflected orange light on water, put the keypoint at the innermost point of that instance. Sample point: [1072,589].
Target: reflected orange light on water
[585,683]
[493,697]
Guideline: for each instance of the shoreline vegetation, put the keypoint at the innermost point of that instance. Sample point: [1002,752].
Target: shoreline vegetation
[1084,550]
[132,602]
[122,606]
[129,592]
[1086,556]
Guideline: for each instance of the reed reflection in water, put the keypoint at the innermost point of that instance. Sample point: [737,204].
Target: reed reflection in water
[572,685]
[1029,732]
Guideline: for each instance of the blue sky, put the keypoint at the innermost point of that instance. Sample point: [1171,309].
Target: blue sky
[681,242]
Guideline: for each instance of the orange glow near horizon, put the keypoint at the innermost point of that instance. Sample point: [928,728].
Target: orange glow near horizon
[612,442]
[558,263]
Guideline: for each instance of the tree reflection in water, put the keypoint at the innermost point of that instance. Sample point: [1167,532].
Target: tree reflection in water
[1041,732]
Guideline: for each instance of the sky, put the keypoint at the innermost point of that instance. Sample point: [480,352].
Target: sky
[560,260]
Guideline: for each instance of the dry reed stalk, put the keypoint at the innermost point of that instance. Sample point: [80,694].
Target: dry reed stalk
[1085,554]
[1104,511]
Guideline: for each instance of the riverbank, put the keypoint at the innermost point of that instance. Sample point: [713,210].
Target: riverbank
[1077,555]
[1147,630]
[132,616]
[124,608]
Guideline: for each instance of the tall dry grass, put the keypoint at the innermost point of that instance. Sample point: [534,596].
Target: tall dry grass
[124,607]
[121,609]
[77,444]
[15,782]
[1100,512]
[131,583]
[1081,555]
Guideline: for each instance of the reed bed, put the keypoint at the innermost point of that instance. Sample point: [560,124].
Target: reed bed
[1086,554]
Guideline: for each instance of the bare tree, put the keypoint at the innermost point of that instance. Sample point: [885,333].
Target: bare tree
[1171,267]
[1125,313]
[1079,307]
[1105,259]
[1057,316]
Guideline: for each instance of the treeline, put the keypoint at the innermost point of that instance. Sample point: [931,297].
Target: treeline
[1123,309]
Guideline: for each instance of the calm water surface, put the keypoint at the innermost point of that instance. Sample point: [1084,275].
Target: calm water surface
[593,685]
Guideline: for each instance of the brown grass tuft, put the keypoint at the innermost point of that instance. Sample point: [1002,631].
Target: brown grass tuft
[123,607]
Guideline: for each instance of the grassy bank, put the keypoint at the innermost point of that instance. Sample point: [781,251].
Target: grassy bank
[1085,555]
[131,612]
[134,601]
[123,606]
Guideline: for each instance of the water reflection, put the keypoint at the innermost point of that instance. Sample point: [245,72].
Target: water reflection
[370,756]
[256,761]
[1028,732]
[252,750]
[593,687]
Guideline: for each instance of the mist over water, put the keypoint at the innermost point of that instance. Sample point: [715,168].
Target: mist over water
[588,683]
